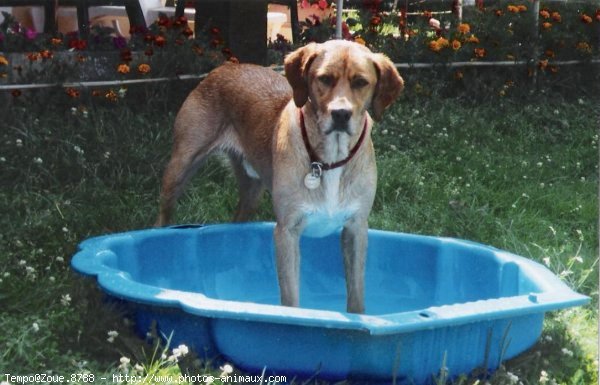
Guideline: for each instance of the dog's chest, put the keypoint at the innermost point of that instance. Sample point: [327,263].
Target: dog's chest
[329,208]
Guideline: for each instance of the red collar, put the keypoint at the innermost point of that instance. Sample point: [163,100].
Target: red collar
[314,158]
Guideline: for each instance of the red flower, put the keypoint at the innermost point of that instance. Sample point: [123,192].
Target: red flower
[16,93]
[72,92]
[160,41]
[78,44]
[126,55]
[46,54]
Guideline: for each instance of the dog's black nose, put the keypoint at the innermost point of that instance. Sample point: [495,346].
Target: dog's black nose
[341,116]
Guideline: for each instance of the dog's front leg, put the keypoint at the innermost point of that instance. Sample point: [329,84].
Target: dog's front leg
[287,250]
[354,248]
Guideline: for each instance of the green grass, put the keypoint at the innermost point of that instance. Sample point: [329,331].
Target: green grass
[517,173]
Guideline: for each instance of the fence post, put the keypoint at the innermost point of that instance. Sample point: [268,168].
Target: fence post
[536,39]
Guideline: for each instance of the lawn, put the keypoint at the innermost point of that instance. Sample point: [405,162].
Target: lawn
[517,172]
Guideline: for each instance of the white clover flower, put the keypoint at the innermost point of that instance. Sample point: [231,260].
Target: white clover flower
[548,338]
[513,378]
[124,361]
[36,327]
[65,300]
[78,150]
[65,230]
[19,143]
[2,159]
[52,279]
[60,259]
[544,377]
[183,350]
[112,334]
[567,352]
[209,380]
[226,369]
[22,262]
[107,155]
[38,160]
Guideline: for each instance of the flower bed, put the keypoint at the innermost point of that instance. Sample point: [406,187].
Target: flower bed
[539,36]
[165,49]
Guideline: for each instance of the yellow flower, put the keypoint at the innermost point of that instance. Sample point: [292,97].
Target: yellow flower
[3,61]
[144,68]
[123,69]
[464,28]
[456,45]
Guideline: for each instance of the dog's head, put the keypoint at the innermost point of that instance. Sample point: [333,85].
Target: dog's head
[342,80]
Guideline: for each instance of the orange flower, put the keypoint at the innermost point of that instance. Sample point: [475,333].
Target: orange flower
[112,96]
[458,75]
[556,17]
[360,40]
[464,28]
[16,93]
[583,47]
[72,92]
[549,53]
[143,68]
[3,61]
[46,54]
[586,19]
[473,39]
[499,12]
[543,64]
[522,8]
[456,45]
[439,44]
[434,46]
[544,14]
[55,41]
[546,25]
[123,69]
[33,56]
[479,53]
[512,9]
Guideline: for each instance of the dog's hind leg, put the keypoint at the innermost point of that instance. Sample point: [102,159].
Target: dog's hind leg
[250,188]
[180,169]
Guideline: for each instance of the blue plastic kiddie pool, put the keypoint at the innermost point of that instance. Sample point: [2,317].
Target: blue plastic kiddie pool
[430,301]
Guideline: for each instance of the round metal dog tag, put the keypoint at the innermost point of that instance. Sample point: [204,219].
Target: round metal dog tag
[311,181]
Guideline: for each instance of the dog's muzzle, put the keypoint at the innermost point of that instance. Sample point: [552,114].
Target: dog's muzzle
[340,121]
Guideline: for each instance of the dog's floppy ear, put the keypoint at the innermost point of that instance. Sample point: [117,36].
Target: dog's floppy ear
[297,65]
[389,85]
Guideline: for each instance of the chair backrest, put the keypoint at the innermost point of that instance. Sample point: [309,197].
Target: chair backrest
[147,5]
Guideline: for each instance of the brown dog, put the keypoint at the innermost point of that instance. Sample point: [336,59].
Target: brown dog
[309,144]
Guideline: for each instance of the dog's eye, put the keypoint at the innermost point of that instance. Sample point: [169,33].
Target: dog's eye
[358,83]
[326,80]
